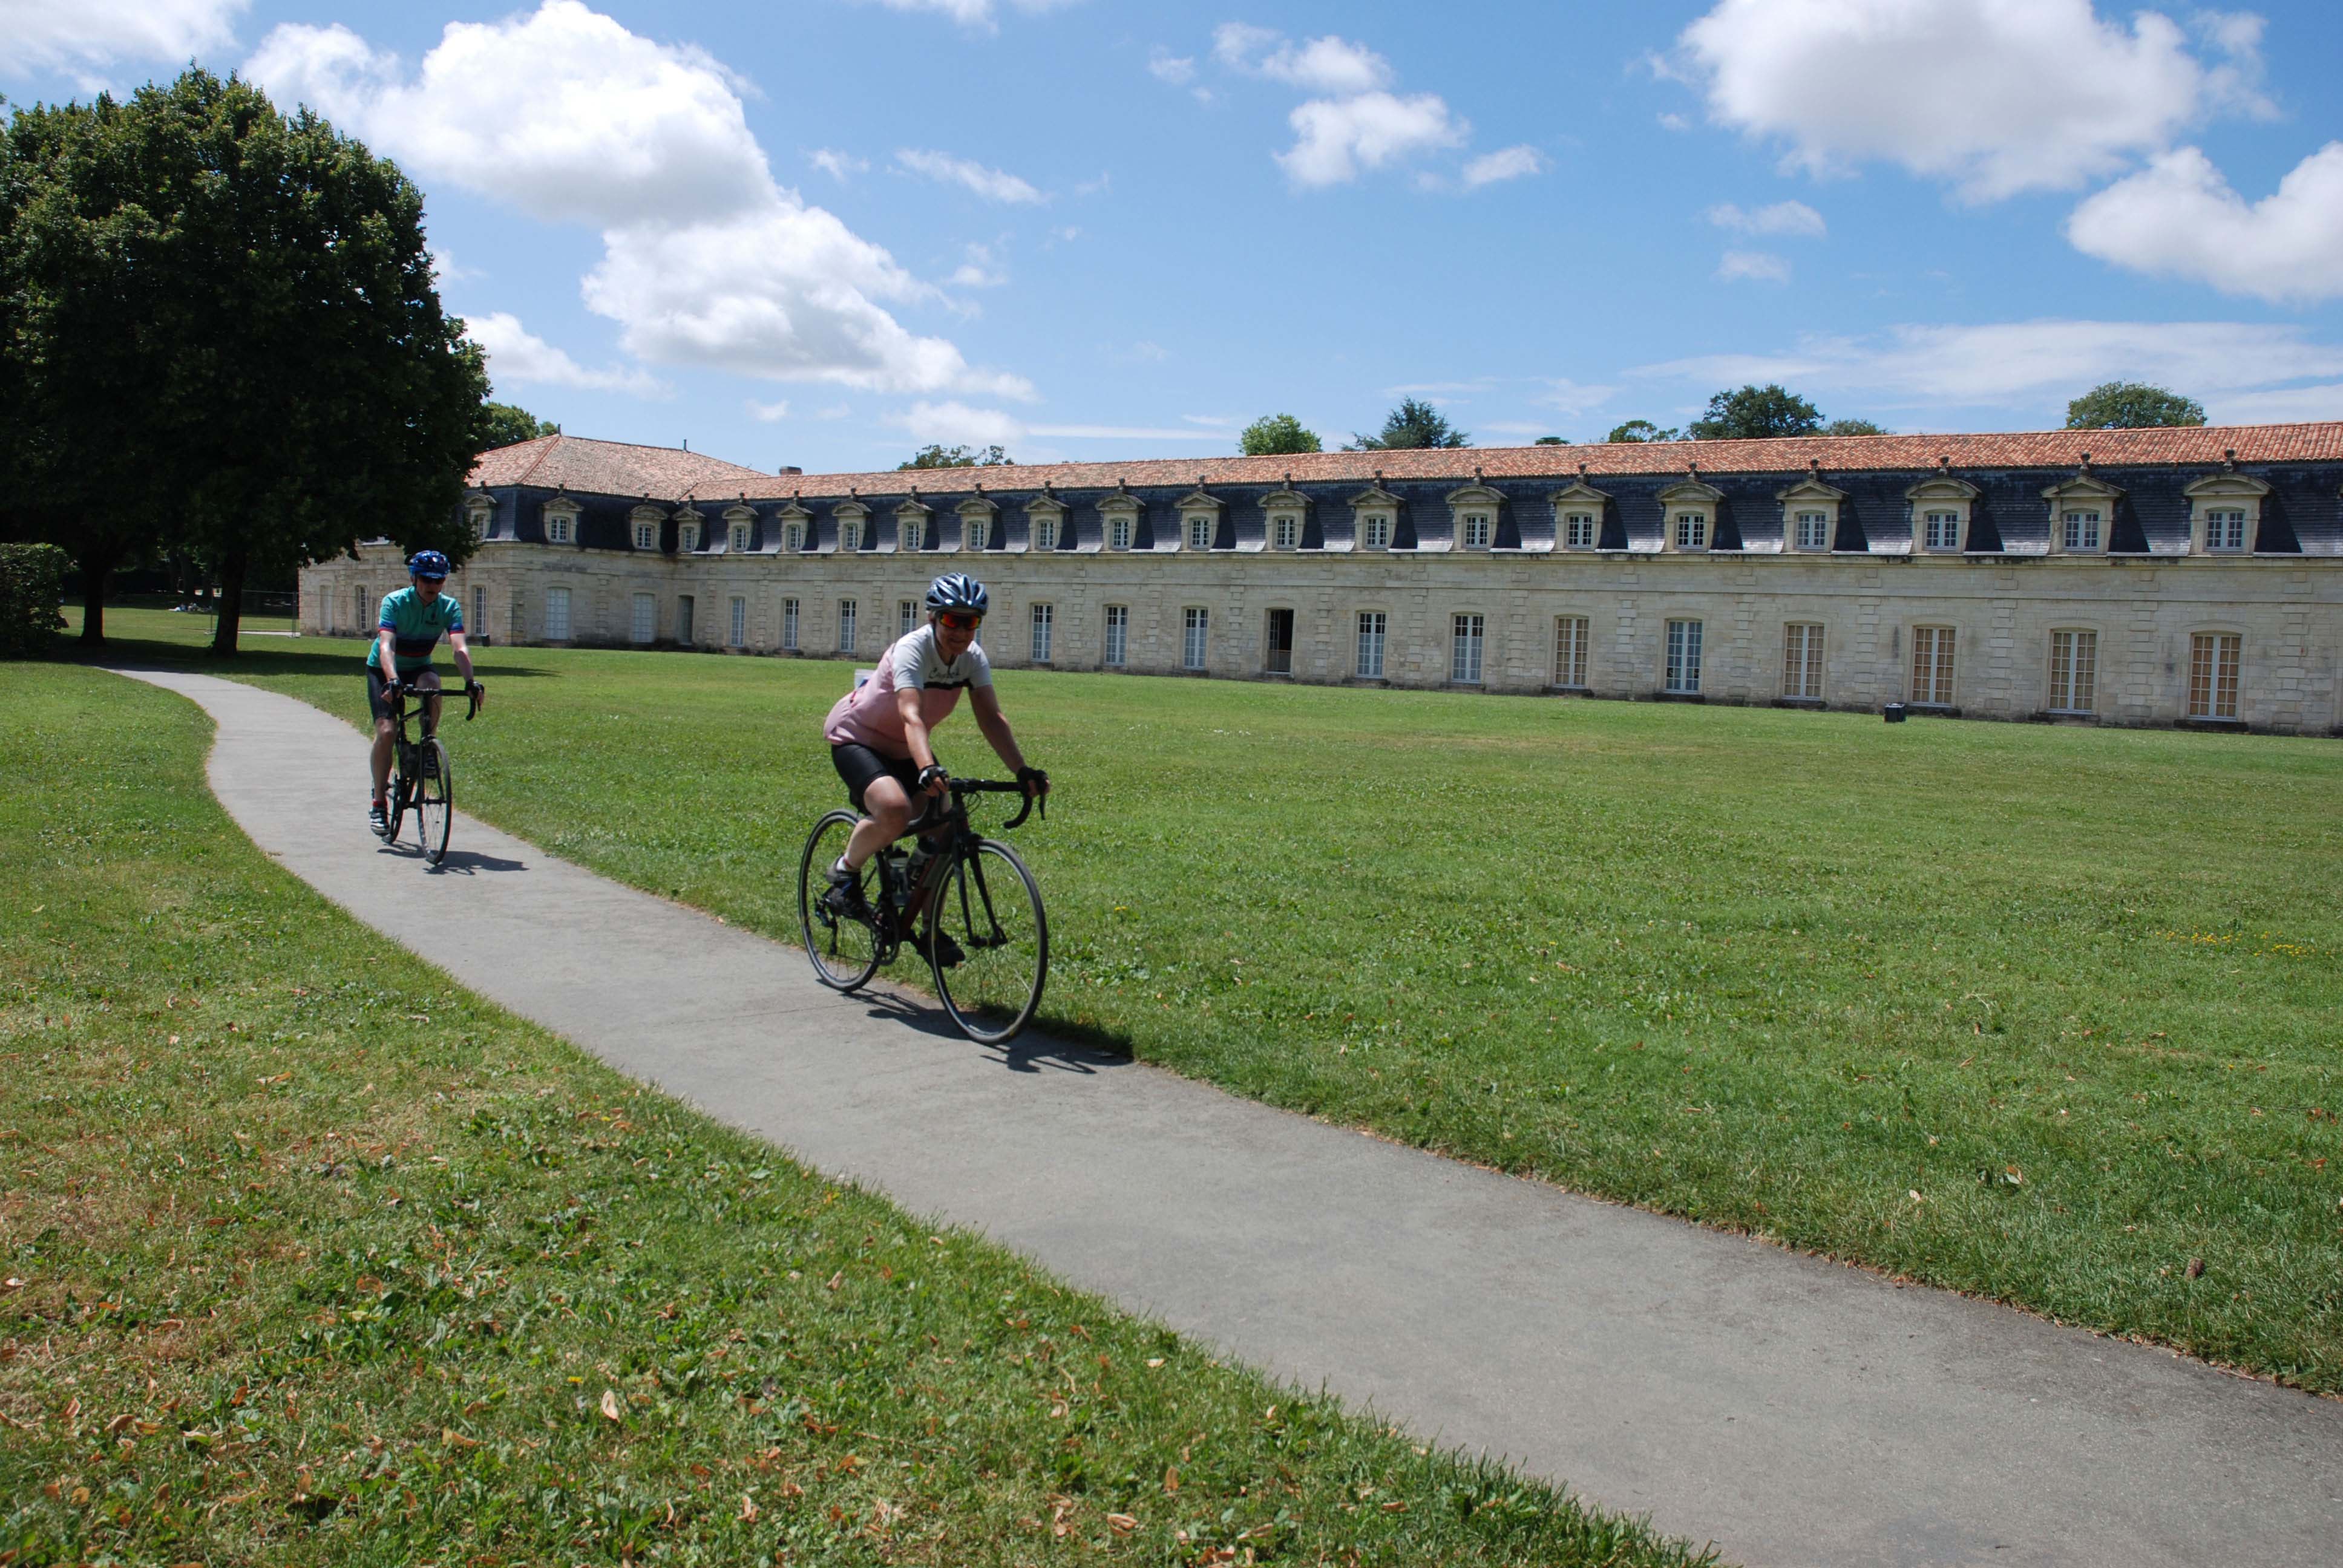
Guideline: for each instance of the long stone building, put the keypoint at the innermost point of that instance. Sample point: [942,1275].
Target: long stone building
[2126,577]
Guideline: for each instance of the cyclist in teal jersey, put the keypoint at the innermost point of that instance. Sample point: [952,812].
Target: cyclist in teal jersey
[411,623]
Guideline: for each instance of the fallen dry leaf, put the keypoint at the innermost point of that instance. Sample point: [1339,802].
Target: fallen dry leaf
[748,1509]
[1124,1524]
[610,1403]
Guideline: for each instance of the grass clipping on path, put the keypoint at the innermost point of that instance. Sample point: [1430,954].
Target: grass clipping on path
[2046,1014]
[311,1257]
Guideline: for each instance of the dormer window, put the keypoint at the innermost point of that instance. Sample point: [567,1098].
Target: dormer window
[1376,530]
[1118,531]
[915,528]
[1284,531]
[1121,514]
[1042,520]
[1200,530]
[976,531]
[1688,516]
[1375,514]
[478,515]
[2081,509]
[1199,518]
[1814,530]
[2225,513]
[1810,510]
[850,533]
[1578,530]
[1478,529]
[740,536]
[980,532]
[646,535]
[560,528]
[1941,506]
[1285,509]
[793,536]
[1472,514]
[1578,508]
[686,536]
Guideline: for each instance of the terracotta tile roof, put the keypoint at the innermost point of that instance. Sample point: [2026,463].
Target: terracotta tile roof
[2054,450]
[615,468]
[573,463]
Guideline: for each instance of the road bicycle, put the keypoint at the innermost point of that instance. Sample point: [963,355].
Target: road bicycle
[967,904]
[423,779]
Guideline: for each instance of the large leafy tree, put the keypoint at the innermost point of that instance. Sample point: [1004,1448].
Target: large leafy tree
[508,424]
[2131,405]
[1414,422]
[937,456]
[1635,430]
[1855,428]
[1754,412]
[1276,435]
[290,382]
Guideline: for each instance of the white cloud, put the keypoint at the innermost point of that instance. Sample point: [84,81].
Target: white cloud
[768,413]
[81,36]
[2033,365]
[1996,95]
[834,411]
[1210,421]
[1171,70]
[2180,217]
[516,354]
[1334,138]
[1506,164]
[955,424]
[1753,264]
[445,269]
[839,166]
[973,13]
[2285,405]
[981,270]
[1782,217]
[1567,397]
[1327,65]
[1145,351]
[1675,122]
[992,184]
[706,260]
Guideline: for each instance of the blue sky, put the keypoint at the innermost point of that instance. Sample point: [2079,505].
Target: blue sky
[824,232]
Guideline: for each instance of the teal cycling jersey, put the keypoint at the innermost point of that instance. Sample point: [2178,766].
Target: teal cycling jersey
[416,624]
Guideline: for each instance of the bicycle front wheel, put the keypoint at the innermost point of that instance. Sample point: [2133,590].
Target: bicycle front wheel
[988,906]
[844,949]
[435,801]
[402,789]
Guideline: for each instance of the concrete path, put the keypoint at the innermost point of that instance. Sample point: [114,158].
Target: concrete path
[1792,1411]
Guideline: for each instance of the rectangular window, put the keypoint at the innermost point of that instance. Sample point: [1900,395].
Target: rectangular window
[1464,649]
[556,615]
[789,625]
[1684,656]
[2225,530]
[686,536]
[1814,530]
[1191,648]
[1118,635]
[980,532]
[914,533]
[480,627]
[1045,531]
[1944,531]
[1931,665]
[1692,531]
[645,626]
[1199,531]
[513,632]
[846,613]
[1578,530]
[368,613]
[645,536]
[1118,531]
[1377,528]
[556,527]
[793,537]
[2213,660]
[1277,644]
[1570,650]
[740,536]
[2073,671]
[1476,530]
[683,608]
[739,637]
[2082,530]
[1802,660]
[1043,616]
[1285,531]
[906,617]
[850,534]
[1374,625]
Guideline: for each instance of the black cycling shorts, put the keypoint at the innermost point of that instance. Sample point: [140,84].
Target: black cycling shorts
[377,703]
[859,764]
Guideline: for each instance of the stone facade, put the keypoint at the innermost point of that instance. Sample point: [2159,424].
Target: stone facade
[2172,589]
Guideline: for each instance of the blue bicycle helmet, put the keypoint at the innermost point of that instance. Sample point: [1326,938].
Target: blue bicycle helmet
[427,564]
[959,591]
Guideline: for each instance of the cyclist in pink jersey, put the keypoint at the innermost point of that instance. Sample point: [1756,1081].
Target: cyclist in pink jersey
[879,732]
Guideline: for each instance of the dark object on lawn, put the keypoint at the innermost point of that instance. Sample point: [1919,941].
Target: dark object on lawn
[1893,713]
[2196,1267]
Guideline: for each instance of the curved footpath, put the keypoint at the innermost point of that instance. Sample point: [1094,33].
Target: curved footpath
[1792,1411]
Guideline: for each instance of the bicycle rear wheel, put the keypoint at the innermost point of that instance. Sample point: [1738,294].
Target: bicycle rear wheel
[989,906]
[844,949]
[434,799]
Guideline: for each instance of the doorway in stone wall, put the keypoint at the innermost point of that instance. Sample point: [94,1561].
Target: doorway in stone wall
[1277,643]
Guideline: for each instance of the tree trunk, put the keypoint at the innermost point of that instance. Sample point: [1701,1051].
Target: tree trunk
[96,571]
[231,604]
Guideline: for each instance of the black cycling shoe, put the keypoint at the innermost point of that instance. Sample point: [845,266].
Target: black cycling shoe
[844,895]
[378,818]
[948,951]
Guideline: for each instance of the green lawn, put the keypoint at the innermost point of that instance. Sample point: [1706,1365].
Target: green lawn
[2046,1014]
[307,1256]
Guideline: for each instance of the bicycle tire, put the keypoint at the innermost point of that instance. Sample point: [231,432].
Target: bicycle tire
[435,801]
[844,951]
[996,918]
[400,788]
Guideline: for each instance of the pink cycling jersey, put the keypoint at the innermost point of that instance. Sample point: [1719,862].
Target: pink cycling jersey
[867,715]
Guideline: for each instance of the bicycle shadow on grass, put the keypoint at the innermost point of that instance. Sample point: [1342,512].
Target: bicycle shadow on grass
[1032,1051]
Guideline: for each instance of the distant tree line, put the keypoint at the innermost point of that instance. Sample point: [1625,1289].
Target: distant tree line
[221,343]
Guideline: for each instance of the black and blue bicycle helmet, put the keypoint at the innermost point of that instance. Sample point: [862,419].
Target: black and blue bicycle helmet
[958,591]
[427,563]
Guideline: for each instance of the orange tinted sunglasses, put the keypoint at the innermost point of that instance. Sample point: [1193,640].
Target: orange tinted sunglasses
[960,621]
